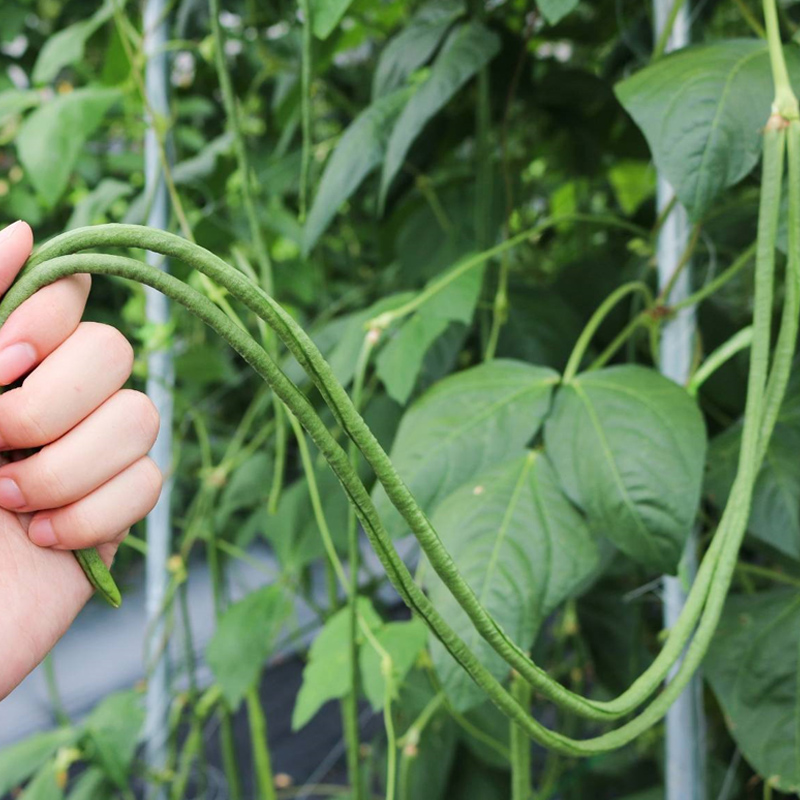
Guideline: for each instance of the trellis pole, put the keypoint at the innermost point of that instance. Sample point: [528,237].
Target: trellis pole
[685,726]
[160,373]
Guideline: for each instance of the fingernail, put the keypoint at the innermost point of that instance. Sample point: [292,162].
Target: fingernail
[15,361]
[8,231]
[41,532]
[10,494]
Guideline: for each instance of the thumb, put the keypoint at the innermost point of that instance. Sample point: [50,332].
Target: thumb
[16,243]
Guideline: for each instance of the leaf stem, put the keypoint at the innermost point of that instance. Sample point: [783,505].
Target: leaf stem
[578,352]
[726,351]
[785,104]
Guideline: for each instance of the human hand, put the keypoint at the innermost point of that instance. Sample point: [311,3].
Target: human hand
[91,479]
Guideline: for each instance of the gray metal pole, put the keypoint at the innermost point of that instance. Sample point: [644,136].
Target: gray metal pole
[685,725]
[159,388]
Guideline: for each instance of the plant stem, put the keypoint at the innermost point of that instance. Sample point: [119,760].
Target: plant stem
[305,106]
[663,39]
[738,342]
[785,103]
[768,574]
[260,744]
[54,695]
[686,257]
[750,18]
[521,784]
[714,285]
[578,352]
[262,254]
[383,321]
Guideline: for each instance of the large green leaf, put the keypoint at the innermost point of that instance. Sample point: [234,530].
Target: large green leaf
[53,136]
[400,361]
[775,511]
[91,785]
[463,425]
[629,447]
[114,727]
[360,150]
[327,675]
[414,45]
[522,547]
[19,761]
[702,111]
[66,46]
[754,671]
[468,48]
[45,786]
[244,639]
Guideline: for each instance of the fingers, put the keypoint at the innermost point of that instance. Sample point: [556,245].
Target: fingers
[16,243]
[102,516]
[44,321]
[68,386]
[105,444]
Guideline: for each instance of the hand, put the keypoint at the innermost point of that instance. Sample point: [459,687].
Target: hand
[91,479]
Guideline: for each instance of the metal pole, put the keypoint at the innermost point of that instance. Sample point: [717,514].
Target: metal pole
[160,375]
[685,725]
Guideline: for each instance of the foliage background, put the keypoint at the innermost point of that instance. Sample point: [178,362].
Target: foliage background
[418,155]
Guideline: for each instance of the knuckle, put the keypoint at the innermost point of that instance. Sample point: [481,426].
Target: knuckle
[116,349]
[43,480]
[142,413]
[25,422]
[76,528]
[152,479]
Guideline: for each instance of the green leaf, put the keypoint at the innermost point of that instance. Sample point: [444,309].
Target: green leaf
[327,675]
[753,668]
[468,48]
[400,361]
[463,425]
[19,761]
[360,150]
[244,639]
[633,183]
[66,46]
[91,785]
[293,531]
[702,111]
[629,447]
[775,510]
[247,487]
[52,137]
[114,728]
[522,547]
[414,45]
[429,771]
[403,642]
[93,208]
[326,15]
[193,170]
[15,101]
[45,786]
[555,10]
